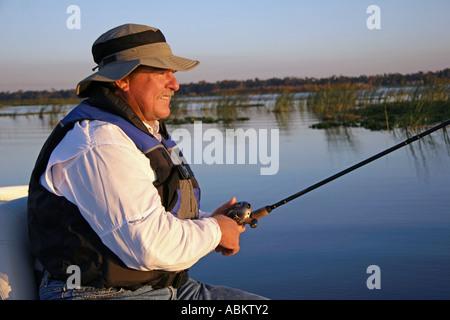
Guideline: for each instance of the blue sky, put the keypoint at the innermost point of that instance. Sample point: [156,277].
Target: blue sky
[232,39]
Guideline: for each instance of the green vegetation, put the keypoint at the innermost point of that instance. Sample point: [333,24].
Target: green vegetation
[332,105]
[381,109]
[226,111]
[285,102]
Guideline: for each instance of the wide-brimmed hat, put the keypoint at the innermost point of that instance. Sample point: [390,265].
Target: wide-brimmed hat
[119,51]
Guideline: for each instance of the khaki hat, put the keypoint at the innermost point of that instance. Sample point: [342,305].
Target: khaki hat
[119,51]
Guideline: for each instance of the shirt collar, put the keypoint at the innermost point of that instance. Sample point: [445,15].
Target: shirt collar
[154,129]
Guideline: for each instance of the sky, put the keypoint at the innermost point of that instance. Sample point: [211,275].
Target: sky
[233,40]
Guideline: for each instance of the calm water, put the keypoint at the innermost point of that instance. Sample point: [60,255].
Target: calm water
[393,213]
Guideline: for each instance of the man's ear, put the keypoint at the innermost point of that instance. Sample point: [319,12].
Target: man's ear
[123,84]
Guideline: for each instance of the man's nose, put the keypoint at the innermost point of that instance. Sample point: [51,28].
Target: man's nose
[172,82]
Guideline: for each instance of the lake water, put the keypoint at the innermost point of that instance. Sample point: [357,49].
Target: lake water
[393,213]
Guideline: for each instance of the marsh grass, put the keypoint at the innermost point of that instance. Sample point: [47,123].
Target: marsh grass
[333,105]
[380,109]
[225,109]
[284,102]
[416,107]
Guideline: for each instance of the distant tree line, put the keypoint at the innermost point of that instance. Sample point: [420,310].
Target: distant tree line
[38,97]
[256,86]
[293,84]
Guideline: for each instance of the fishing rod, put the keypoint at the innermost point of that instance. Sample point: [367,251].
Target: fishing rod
[242,211]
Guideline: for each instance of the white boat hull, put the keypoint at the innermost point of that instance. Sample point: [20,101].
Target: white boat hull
[13,192]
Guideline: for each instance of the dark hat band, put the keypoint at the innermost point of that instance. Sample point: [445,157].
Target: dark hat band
[103,49]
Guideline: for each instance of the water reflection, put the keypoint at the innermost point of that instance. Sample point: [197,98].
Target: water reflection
[426,148]
[336,136]
[283,120]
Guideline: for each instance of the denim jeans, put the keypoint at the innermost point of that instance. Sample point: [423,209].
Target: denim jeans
[191,290]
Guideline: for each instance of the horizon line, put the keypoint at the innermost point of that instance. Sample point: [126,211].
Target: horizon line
[265,79]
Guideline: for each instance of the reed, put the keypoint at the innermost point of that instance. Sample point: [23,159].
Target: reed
[225,109]
[284,102]
[412,108]
[333,105]
[381,109]
[228,108]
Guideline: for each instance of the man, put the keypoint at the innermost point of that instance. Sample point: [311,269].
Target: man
[110,193]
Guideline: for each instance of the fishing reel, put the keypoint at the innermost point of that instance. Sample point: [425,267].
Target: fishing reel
[241,213]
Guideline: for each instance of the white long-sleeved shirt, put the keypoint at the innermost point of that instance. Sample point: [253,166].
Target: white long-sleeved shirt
[98,168]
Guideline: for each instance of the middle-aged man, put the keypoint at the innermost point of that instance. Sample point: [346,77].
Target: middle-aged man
[110,194]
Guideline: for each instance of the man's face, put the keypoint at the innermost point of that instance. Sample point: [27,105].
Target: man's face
[148,92]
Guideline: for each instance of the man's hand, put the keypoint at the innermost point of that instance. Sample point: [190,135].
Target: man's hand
[229,243]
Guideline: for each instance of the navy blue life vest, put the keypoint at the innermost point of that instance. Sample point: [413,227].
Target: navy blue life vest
[59,234]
